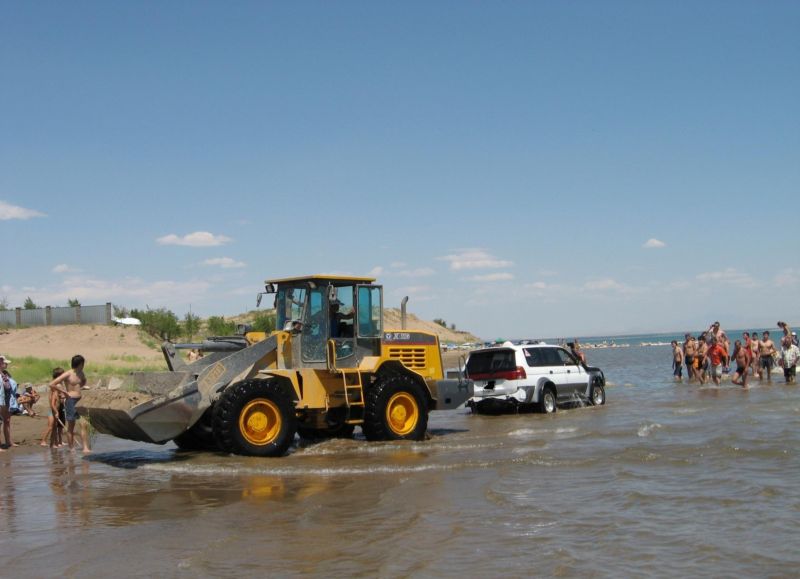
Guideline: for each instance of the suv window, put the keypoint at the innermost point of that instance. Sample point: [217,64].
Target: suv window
[551,357]
[535,357]
[491,361]
[565,358]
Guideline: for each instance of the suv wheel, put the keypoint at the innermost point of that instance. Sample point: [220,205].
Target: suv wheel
[598,395]
[547,400]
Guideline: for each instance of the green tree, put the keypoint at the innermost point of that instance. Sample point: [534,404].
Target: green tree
[120,312]
[29,305]
[161,323]
[73,303]
[191,325]
[264,322]
[218,326]
[4,304]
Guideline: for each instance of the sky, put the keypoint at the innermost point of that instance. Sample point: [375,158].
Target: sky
[518,169]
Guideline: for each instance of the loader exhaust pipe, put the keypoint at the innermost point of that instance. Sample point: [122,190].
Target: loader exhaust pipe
[403,313]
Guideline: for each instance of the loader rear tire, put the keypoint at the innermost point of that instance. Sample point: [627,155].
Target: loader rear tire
[255,418]
[395,409]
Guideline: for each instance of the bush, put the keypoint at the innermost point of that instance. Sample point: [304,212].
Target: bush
[73,303]
[218,326]
[440,321]
[29,305]
[161,323]
[264,322]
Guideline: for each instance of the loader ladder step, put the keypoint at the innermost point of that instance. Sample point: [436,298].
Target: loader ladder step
[353,388]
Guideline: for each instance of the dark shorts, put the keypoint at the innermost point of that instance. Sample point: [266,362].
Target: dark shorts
[741,370]
[677,369]
[789,373]
[689,362]
[767,363]
[69,408]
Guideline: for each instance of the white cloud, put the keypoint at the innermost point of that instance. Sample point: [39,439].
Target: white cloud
[196,239]
[224,262]
[8,211]
[548,273]
[64,268]
[492,277]
[127,291]
[418,272]
[537,285]
[653,243]
[603,284]
[787,277]
[474,259]
[729,276]
[376,271]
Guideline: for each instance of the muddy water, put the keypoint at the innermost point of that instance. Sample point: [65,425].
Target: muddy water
[664,480]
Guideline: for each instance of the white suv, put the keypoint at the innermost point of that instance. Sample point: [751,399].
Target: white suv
[514,377]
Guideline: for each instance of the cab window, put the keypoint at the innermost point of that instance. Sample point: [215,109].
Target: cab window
[369,312]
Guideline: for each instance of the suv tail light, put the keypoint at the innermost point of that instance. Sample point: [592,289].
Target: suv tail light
[517,373]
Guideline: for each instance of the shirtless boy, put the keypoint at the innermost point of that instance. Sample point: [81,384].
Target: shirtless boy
[677,361]
[689,353]
[765,350]
[755,344]
[72,382]
[742,356]
[701,361]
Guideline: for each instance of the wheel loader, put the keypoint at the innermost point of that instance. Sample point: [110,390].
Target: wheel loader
[329,367]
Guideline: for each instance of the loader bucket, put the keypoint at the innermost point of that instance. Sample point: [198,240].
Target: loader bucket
[145,413]
[158,406]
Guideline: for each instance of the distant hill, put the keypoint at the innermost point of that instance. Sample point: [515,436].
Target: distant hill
[391,320]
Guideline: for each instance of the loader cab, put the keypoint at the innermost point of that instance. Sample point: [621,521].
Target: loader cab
[317,309]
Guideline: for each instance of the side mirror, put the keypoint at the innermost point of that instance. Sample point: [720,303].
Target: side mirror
[331,293]
[258,299]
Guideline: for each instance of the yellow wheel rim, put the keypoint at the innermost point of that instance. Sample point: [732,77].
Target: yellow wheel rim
[402,413]
[260,422]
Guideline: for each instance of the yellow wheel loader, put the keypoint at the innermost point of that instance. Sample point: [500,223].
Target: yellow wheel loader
[329,367]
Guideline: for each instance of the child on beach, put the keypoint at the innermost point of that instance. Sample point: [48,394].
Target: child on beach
[27,399]
[55,416]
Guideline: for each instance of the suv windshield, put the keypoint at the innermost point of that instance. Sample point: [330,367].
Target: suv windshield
[490,361]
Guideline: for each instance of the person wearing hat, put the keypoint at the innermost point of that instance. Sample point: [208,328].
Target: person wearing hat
[8,400]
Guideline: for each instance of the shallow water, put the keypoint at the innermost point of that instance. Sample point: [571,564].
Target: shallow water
[665,480]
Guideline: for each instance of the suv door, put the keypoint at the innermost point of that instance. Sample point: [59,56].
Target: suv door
[573,375]
[553,366]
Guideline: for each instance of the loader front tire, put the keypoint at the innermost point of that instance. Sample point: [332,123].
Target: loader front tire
[255,418]
[395,409]
[199,437]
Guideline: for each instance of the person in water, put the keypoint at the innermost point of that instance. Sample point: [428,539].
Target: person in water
[71,383]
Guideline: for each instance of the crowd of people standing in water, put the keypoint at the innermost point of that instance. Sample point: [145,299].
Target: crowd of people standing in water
[709,356]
